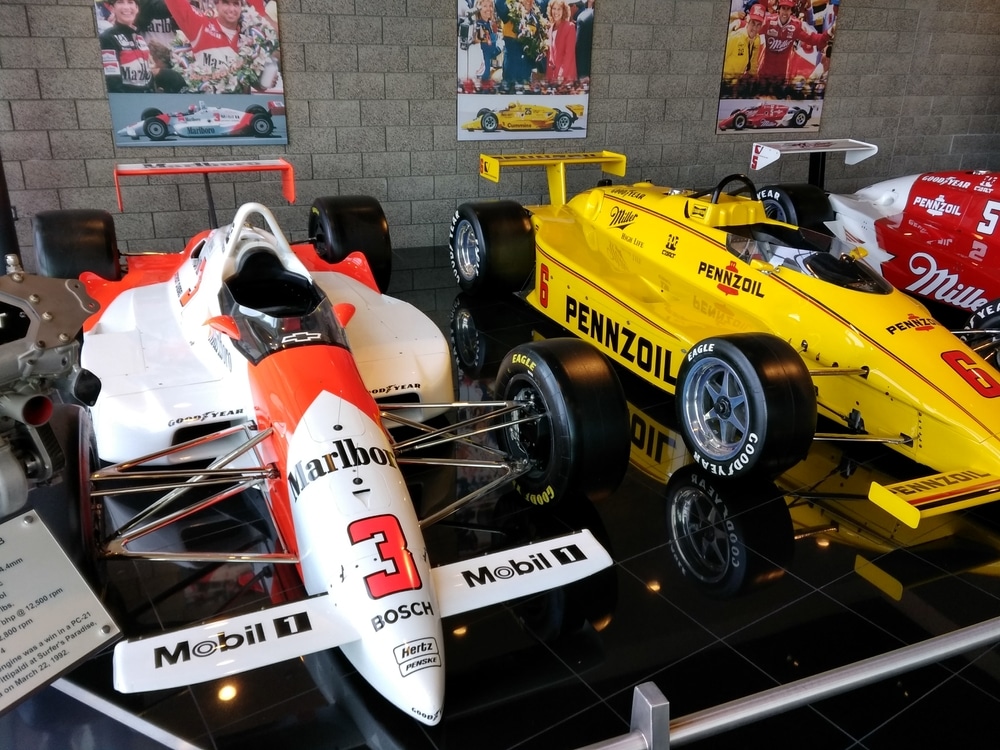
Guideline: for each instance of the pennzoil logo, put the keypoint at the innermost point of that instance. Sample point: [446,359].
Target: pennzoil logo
[912,322]
[730,281]
[937,206]
[346,454]
[621,218]
[616,337]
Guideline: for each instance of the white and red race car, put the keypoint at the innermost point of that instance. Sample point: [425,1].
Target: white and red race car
[933,235]
[203,121]
[247,364]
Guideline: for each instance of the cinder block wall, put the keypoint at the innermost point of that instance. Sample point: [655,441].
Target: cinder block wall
[370,93]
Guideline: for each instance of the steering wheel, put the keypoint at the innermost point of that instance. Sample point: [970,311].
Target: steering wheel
[745,183]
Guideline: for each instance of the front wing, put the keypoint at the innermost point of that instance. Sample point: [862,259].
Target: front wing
[912,500]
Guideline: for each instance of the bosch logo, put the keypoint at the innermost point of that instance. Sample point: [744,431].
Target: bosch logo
[402,612]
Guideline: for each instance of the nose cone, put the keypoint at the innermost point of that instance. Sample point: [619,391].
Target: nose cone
[409,674]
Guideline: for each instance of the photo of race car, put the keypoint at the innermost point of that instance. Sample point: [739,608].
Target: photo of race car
[929,234]
[517,116]
[755,326]
[249,367]
[767,115]
[205,121]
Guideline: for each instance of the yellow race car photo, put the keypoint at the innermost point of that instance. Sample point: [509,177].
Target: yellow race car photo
[518,116]
[757,327]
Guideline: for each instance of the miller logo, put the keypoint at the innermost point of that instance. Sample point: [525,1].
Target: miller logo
[621,218]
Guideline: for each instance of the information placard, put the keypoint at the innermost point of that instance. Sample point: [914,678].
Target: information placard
[49,618]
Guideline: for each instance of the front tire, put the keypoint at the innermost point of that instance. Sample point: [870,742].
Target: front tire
[580,442]
[727,540]
[492,246]
[745,403]
[71,241]
[341,225]
[803,205]
[740,121]
[980,334]
[489,122]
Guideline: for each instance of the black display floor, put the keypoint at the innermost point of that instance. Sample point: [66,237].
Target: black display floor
[782,587]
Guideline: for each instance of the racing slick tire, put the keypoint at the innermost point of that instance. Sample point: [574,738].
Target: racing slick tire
[725,539]
[255,109]
[490,122]
[340,225]
[801,204]
[262,125]
[580,443]
[492,246]
[155,129]
[977,332]
[740,121]
[71,241]
[745,403]
[562,122]
[800,118]
[151,112]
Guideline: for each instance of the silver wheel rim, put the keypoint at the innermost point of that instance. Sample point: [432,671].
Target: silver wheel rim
[466,251]
[700,537]
[716,409]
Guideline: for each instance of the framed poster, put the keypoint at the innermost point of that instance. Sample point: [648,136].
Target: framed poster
[776,64]
[523,68]
[192,72]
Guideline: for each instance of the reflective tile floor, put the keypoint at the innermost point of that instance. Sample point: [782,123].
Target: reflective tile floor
[717,592]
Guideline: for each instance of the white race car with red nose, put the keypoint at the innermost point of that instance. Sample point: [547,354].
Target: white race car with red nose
[246,363]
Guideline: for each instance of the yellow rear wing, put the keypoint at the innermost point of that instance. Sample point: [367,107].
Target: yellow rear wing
[915,499]
[555,167]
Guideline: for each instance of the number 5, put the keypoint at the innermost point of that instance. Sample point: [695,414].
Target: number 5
[990,216]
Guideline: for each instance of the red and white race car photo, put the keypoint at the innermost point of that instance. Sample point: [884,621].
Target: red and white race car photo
[929,234]
[203,121]
[767,116]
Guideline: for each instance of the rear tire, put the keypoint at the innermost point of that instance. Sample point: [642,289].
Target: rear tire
[803,205]
[341,225]
[492,246]
[986,318]
[71,241]
[580,444]
[745,403]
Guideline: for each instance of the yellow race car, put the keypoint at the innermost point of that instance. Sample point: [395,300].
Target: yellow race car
[517,116]
[756,326]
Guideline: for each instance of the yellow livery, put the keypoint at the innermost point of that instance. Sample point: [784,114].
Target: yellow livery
[756,326]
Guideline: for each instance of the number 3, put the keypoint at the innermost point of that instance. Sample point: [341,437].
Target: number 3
[391,549]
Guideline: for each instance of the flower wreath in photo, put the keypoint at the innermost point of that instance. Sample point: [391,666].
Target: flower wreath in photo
[255,68]
[531,30]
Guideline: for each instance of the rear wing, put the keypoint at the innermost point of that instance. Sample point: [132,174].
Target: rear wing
[555,167]
[915,499]
[206,168]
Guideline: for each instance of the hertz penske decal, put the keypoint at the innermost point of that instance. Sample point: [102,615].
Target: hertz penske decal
[345,455]
[730,281]
[619,339]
